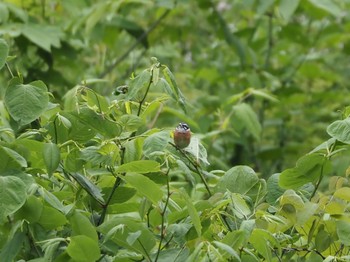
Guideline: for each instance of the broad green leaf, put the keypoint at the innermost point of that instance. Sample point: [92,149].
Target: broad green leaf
[121,195]
[31,210]
[88,186]
[156,142]
[51,218]
[227,249]
[343,193]
[81,225]
[239,179]
[144,186]
[343,231]
[140,166]
[83,248]
[45,36]
[118,230]
[287,8]
[12,194]
[323,240]
[4,50]
[263,241]
[329,6]
[51,199]
[26,103]
[274,191]
[241,208]
[13,246]
[248,119]
[106,154]
[340,130]
[51,156]
[73,161]
[80,131]
[235,239]
[98,122]
[172,254]
[131,123]
[140,82]
[192,211]
[96,101]
[10,159]
[198,151]
[308,169]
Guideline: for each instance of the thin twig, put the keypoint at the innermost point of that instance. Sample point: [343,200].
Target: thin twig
[198,171]
[162,235]
[138,40]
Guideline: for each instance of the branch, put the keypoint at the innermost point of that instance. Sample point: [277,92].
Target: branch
[138,40]
[163,217]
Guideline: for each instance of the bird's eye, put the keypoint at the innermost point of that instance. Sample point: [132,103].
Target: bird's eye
[184,126]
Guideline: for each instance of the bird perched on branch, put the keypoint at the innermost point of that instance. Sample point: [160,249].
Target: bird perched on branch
[182,135]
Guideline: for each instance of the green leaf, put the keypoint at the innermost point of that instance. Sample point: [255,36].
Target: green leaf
[140,166]
[235,239]
[248,118]
[89,187]
[308,169]
[174,91]
[343,231]
[4,50]
[51,156]
[239,179]
[81,225]
[42,35]
[192,212]
[10,159]
[340,130]
[329,6]
[241,208]
[26,103]
[228,249]
[144,186]
[323,240]
[32,209]
[51,199]
[287,8]
[131,123]
[51,218]
[83,248]
[343,193]
[13,246]
[274,191]
[263,242]
[98,122]
[12,194]
[156,143]
[118,229]
[172,254]
[139,83]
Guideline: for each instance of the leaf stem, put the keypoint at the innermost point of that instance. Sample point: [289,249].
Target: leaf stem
[117,182]
[8,68]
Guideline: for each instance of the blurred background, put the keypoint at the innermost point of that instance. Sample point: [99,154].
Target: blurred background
[262,78]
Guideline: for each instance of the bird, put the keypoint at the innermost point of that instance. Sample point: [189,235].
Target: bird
[182,135]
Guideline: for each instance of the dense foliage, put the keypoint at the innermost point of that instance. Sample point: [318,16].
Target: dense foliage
[91,93]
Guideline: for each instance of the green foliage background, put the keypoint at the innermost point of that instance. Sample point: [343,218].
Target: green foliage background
[92,90]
